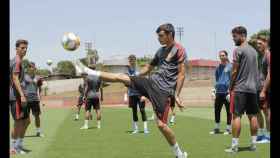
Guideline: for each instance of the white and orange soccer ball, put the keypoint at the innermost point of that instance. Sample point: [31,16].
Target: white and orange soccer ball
[70,41]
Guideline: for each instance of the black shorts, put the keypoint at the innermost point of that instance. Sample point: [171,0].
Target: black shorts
[80,101]
[92,102]
[241,102]
[35,107]
[160,101]
[18,112]
[135,100]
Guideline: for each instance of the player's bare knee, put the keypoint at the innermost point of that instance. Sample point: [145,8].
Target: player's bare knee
[161,125]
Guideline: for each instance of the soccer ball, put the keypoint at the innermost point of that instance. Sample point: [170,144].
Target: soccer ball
[49,62]
[70,41]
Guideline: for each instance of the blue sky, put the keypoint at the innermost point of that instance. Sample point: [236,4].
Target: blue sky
[121,27]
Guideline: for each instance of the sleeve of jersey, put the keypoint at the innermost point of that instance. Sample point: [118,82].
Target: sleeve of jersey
[236,56]
[155,60]
[16,68]
[181,55]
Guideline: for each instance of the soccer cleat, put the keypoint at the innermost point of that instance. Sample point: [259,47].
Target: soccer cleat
[39,134]
[267,138]
[227,132]
[232,149]
[146,131]
[215,131]
[84,127]
[263,139]
[98,126]
[172,123]
[253,147]
[20,151]
[184,155]
[135,131]
[260,138]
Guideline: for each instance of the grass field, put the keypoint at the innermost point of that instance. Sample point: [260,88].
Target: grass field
[64,139]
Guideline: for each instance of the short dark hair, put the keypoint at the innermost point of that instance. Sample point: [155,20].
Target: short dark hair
[31,64]
[132,56]
[21,41]
[167,28]
[240,30]
[224,51]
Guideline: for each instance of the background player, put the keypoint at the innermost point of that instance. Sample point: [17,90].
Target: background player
[243,88]
[158,88]
[92,97]
[17,98]
[31,86]
[222,76]
[135,99]
[81,90]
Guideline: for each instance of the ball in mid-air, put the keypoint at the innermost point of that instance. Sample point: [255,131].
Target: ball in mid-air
[49,62]
[70,41]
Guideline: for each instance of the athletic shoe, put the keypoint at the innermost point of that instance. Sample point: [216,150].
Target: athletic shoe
[267,138]
[98,126]
[227,132]
[84,127]
[146,131]
[20,151]
[232,149]
[263,141]
[184,155]
[253,147]
[215,131]
[172,123]
[134,132]
[39,134]
[260,138]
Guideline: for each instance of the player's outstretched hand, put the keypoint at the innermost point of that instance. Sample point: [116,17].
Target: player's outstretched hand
[179,103]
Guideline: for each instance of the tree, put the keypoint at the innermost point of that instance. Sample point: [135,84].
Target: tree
[43,72]
[253,38]
[84,61]
[66,67]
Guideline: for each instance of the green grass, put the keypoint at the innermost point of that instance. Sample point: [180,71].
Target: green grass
[64,139]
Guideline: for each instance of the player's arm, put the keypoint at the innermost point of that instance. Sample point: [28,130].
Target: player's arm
[180,83]
[39,84]
[146,69]
[16,82]
[125,95]
[266,82]
[149,67]
[235,69]
[216,74]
